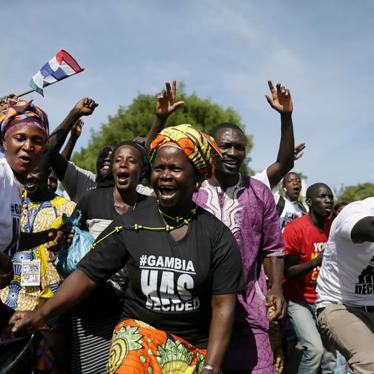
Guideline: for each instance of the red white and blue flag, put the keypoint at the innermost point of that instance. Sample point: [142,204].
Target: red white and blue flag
[61,66]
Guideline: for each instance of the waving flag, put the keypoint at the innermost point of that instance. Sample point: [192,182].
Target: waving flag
[58,68]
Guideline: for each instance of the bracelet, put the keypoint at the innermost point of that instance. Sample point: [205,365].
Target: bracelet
[209,368]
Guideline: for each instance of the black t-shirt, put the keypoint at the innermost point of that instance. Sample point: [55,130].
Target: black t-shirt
[170,282]
[105,300]
[99,204]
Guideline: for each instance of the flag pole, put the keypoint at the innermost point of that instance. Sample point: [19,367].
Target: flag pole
[24,93]
[49,84]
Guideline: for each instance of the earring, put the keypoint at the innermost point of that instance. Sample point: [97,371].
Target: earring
[197,186]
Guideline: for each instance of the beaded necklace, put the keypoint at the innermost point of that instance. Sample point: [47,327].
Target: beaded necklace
[178,219]
[136,227]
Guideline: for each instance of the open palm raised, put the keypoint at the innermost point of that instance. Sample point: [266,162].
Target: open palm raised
[280,98]
[166,101]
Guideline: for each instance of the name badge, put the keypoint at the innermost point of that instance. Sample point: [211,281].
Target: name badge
[30,274]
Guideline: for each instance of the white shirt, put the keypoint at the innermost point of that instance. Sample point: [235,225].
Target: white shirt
[10,208]
[290,211]
[347,271]
[263,177]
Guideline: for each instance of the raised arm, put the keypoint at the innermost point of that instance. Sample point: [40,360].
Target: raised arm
[73,289]
[223,307]
[84,107]
[75,133]
[59,162]
[166,105]
[363,230]
[280,100]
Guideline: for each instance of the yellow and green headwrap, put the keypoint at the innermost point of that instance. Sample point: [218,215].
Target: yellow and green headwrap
[198,146]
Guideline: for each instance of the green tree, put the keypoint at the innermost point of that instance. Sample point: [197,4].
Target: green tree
[354,193]
[136,119]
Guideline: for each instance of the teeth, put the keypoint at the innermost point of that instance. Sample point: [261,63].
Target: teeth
[166,189]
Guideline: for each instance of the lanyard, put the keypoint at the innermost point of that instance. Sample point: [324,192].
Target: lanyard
[32,213]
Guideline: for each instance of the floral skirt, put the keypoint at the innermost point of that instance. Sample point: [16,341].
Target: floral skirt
[139,348]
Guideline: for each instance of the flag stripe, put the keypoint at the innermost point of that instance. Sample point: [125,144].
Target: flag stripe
[36,88]
[68,58]
[46,70]
[49,80]
[67,68]
[54,63]
[38,80]
[59,74]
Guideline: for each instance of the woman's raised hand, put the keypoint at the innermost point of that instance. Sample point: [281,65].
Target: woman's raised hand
[166,100]
[85,107]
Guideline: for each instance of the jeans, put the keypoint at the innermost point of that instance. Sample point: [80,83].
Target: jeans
[315,355]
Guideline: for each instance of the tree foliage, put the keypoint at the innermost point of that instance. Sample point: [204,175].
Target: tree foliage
[136,119]
[354,193]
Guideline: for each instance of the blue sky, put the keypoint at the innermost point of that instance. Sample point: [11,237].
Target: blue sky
[226,50]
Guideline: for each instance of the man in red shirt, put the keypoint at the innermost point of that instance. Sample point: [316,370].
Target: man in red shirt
[305,239]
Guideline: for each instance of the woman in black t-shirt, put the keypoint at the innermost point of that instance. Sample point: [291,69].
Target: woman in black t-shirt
[184,270]
[95,317]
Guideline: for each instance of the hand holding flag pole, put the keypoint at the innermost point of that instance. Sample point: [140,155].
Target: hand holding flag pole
[61,66]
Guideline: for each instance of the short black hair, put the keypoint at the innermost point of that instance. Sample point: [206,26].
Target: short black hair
[313,188]
[287,175]
[225,125]
[143,154]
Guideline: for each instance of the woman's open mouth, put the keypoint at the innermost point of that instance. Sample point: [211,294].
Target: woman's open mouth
[25,159]
[167,191]
[123,178]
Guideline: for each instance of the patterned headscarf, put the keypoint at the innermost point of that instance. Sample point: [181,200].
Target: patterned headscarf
[196,145]
[16,112]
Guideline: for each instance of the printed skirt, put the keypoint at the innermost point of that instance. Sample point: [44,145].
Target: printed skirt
[139,348]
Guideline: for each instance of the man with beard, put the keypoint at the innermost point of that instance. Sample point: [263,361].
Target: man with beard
[247,207]
[305,239]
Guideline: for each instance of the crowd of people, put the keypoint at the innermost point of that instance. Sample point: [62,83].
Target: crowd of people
[200,269]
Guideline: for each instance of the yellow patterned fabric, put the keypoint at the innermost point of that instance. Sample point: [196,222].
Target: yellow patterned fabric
[140,348]
[30,297]
[198,146]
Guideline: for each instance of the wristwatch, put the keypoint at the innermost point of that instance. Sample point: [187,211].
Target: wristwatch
[209,368]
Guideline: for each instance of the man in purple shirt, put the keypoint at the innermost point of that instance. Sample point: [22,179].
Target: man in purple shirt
[247,206]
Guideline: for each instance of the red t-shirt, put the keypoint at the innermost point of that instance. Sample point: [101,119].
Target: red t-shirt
[307,241]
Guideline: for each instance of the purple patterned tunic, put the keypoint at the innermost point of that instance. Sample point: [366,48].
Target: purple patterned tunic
[248,209]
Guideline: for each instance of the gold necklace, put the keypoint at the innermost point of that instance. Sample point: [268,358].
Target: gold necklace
[136,227]
[178,219]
